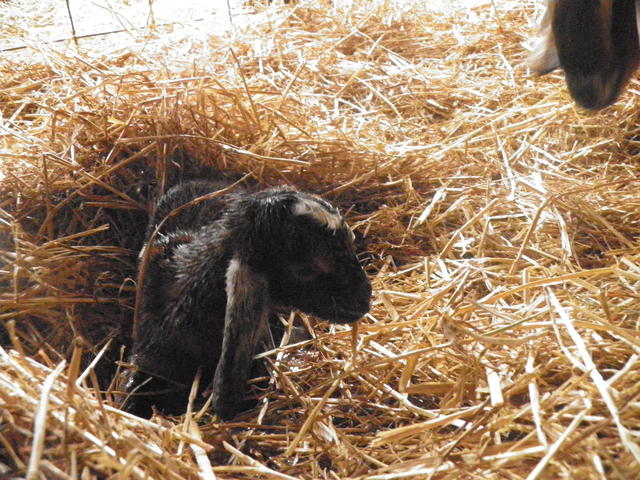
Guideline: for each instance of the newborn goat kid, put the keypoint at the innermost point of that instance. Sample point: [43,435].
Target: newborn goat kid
[216,271]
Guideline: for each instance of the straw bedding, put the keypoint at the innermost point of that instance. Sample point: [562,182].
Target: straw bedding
[500,226]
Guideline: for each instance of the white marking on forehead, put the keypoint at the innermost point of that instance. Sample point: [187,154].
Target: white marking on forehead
[321,213]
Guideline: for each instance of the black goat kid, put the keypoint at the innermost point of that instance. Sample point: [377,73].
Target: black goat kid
[216,271]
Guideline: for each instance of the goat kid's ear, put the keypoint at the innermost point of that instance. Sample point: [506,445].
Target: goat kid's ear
[267,215]
[544,57]
[245,325]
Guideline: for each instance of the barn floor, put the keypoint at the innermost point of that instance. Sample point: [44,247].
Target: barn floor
[499,225]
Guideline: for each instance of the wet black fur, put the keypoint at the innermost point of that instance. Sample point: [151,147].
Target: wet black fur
[184,293]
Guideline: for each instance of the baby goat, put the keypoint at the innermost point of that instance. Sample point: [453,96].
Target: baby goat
[216,271]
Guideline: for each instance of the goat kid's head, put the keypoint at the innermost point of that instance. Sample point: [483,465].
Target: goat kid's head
[303,248]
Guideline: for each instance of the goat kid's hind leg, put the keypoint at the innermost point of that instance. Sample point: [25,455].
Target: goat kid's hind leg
[154,383]
[145,392]
[246,323]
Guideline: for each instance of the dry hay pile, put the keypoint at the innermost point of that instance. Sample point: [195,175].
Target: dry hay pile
[502,229]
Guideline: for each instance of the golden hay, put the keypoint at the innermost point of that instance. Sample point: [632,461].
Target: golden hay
[501,223]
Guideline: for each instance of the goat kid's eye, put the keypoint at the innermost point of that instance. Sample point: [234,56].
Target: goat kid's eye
[305,273]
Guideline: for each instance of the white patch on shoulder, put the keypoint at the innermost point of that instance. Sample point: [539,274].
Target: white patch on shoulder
[247,302]
[237,278]
[321,213]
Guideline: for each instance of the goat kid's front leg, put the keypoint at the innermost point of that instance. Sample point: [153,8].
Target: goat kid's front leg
[245,325]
